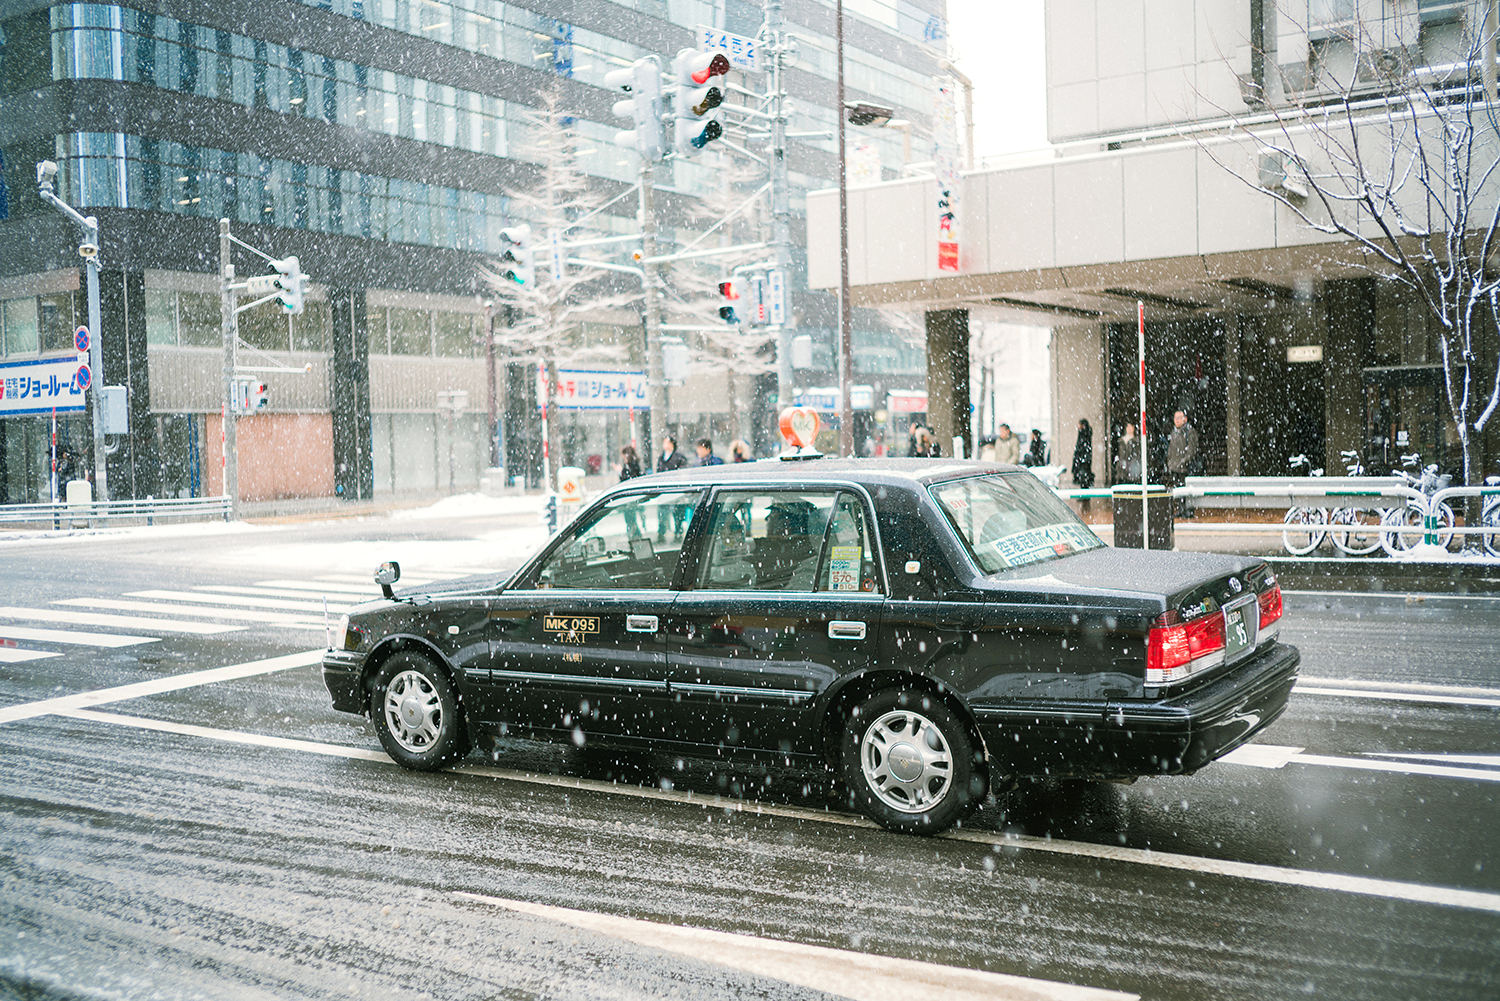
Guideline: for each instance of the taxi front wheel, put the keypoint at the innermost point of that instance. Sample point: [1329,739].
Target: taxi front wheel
[909,763]
[416,714]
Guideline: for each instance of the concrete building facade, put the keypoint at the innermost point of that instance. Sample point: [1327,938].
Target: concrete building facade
[1276,338]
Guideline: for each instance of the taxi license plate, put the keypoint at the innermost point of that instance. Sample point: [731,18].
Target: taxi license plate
[1236,632]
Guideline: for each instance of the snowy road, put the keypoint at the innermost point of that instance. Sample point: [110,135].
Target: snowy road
[183,816]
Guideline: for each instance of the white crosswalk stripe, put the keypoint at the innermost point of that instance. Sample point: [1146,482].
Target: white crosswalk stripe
[206,610]
[70,637]
[16,655]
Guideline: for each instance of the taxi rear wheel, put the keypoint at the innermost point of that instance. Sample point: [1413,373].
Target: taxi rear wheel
[416,713]
[909,763]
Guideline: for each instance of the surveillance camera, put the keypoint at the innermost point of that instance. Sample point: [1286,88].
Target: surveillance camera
[45,171]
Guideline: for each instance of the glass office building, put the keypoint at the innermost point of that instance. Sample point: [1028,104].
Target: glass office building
[381,141]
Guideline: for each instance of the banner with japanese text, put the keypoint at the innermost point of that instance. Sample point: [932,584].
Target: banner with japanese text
[41,386]
[946,160]
[610,390]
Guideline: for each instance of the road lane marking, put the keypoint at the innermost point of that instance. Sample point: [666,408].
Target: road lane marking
[1362,885]
[366,590]
[204,598]
[1261,755]
[1404,596]
[72,637]
[157,686]
[1278,756]
[1415,687]
[15,655]
[860,976]
[207,611]
[1389,696]
[120,621]
[317,597]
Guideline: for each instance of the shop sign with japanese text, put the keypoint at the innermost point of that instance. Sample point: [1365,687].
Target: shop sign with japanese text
[601,390]
[41,386]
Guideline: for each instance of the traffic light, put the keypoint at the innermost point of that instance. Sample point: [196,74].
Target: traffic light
[288,283]
[517,262]
[642,81]
[257,399]
[728,288]
[699,79]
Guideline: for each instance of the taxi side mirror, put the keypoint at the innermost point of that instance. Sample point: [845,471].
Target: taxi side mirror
[387,574]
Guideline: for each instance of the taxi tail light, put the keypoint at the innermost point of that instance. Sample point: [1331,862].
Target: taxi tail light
[1173,648]
[1270,605]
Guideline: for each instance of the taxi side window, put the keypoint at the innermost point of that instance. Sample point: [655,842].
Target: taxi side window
[849,556]
[765,541]
[619,547]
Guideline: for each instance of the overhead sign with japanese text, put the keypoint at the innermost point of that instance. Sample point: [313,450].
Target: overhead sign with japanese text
[743,53]
[42,386]
[608,390]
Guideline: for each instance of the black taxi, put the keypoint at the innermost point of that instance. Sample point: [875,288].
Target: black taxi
[931,629]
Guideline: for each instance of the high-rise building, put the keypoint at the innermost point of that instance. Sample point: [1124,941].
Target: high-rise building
[378,141]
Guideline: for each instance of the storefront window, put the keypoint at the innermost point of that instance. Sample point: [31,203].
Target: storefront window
[455,334]
[200,319]
[161,316]
[21,327]
[55,321]
[411,332]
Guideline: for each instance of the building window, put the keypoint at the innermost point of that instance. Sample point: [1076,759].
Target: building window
[21,331]
[411,332]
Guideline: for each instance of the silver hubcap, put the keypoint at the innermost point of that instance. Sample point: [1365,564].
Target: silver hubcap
[413,711]
[906,761]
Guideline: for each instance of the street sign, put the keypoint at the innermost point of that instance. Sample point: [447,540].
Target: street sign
[456,400]
[81,340]
[41,386]
[84,377]
[262,284]
[555,245]
[743,53]
[776,297]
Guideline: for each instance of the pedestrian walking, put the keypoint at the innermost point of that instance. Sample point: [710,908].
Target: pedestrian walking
[630,463]
[1128,456]
[1036,450]
[706,455]
[739,451]
[1182,458]
[1007,446]
[1083,456]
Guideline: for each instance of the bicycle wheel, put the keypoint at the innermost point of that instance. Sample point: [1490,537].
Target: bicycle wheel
[1409,519]
[1305,531]
[1445,521]
[1361,536]
[1491,519]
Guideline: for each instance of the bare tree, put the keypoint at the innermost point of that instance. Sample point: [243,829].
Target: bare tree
[1402,158]
[552,307]
[735,213]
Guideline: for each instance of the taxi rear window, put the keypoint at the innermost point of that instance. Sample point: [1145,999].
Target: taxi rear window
[1012,520]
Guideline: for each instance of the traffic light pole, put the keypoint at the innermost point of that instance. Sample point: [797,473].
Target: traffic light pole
[650,288]
[89,251]
[229,319]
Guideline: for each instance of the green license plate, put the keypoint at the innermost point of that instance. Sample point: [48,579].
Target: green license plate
[1236,632]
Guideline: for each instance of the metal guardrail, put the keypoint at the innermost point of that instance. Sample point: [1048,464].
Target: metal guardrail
[148,511]
[1382,493]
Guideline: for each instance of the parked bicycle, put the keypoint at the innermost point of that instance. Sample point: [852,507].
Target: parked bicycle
[1306,526]
[1490,518]
[1355,531]
[1410,516]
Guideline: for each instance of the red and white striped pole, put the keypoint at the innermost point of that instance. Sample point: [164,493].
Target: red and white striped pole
[1140,349]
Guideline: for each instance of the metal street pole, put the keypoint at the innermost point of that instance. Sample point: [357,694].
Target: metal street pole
[846,324]
[230,331]
[492,425]
[781,204]
[46,170]
[650,288]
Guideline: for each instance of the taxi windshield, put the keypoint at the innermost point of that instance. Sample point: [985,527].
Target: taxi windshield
[1011,520]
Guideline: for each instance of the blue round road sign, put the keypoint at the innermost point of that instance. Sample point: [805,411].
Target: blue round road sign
[81,339]
[84,377]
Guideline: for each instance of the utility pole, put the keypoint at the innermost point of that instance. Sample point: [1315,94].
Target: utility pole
[229,320]
[650,289]
[781,205]
[46,170]
[846,322]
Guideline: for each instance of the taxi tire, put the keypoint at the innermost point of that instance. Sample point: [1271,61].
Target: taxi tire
[944,739]
[416,713]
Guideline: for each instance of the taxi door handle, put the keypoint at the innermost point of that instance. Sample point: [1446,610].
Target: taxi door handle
[640,623]
[840,629]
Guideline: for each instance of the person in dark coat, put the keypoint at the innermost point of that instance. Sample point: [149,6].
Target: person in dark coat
[630,463]
[670,514]
[1083,456]
[706,455]
[1036,450]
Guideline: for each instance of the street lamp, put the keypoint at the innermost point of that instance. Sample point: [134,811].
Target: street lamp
[46,170]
